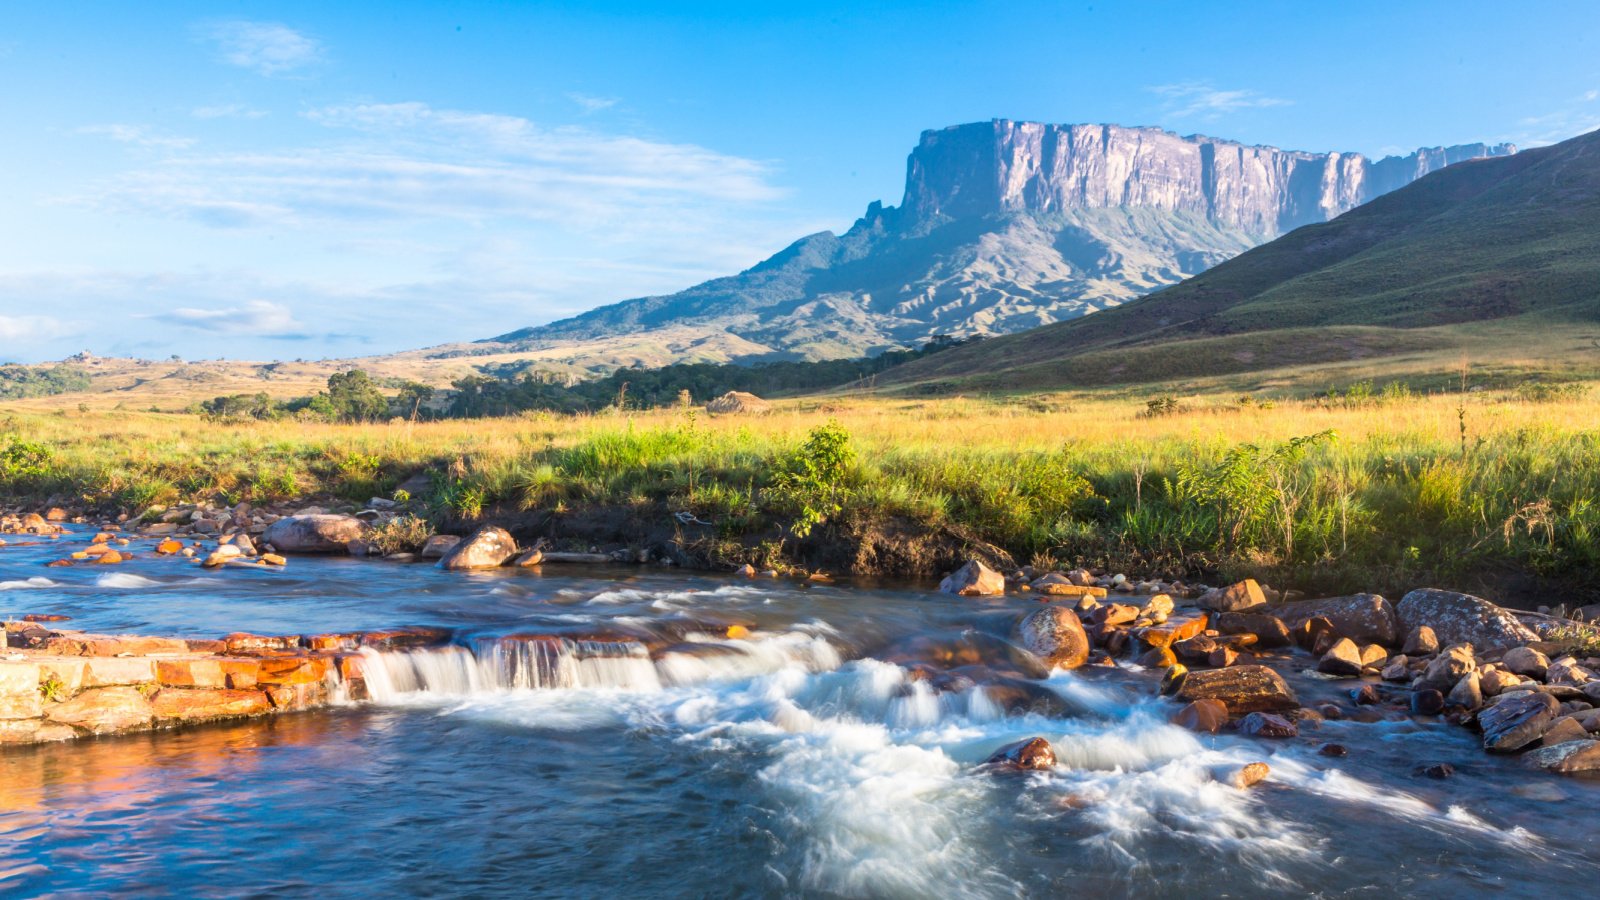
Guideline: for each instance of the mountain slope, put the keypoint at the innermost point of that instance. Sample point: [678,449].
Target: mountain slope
[1511,245]
[1004,226]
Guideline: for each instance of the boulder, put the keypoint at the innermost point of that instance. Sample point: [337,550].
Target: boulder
[1363,618]
[1056,635]
[1268,725]
[1467,694]
[1567,757]
[317,533]
[1234,598]
[1463,618]
[535,556]
[1449,667]
[487,548]
[1427,702]
[974,580]
[1242,689]
[1397,669]
[1033,754]
[1526,661]
[1342,659]
[437,545]
[1564,729]
[1204,716]
[1517,721]
[1270,631]
[1421,641]
[1498,681]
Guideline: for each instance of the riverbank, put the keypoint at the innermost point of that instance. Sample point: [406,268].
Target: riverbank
[1491,491]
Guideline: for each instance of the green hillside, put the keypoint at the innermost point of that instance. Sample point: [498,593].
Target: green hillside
[1479,254]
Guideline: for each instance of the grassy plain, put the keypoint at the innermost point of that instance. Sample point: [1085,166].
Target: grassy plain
[1484,489]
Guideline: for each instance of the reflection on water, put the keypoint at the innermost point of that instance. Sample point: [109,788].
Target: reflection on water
[589,731]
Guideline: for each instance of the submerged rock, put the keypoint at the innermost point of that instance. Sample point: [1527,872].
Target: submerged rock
[1463,618]
[1268,725]
[1032,754]
[317,533]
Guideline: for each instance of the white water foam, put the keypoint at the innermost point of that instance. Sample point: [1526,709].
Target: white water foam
[27,583]
[125,580]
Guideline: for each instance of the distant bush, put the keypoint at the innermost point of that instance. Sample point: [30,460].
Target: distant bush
[1165,405]
[1542,392]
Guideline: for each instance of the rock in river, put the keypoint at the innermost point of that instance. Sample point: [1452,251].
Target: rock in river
[1363,618]
[1057,636]
[1234,598]
[489,547]
[1567,757]
[1033,754]
[1242,689]
[974,580]
[318,533]
[1517,721]
[1463,618]
[1267,725]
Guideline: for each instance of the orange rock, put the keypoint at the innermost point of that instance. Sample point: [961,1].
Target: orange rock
[81,554]
[104,710]
[169,547]
[202,673]
[292,670]
[241,673]
[103,671]
[205,646]
[329,641]
[273,559]
[58,564]
[133,645]
[738,631]
[242,641]
[103,537]
[198,705]
[1173,631]
[298,696]
[110,557]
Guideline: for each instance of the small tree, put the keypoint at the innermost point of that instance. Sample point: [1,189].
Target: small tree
[352,397]
[810,482]
[411,397]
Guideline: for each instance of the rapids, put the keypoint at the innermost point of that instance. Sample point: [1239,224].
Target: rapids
[592,728]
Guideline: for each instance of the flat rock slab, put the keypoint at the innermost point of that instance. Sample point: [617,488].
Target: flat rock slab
[1242,689]
[1517,721]
[1567,757]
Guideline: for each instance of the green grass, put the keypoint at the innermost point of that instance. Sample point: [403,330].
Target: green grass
[1398,495]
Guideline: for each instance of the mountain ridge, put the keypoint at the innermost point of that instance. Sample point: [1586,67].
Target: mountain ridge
[1004,226]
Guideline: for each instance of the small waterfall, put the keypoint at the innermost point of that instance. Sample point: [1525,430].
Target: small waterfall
[542,663]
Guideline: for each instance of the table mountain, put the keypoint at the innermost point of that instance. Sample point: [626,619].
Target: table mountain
[1004,226]
[1500,257]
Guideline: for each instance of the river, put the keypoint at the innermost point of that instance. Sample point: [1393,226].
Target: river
[805,758]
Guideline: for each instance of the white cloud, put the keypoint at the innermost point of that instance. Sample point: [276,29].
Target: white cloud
[409,162]
[32,328]
[138,136]
[592,104]
[1201,99]
[227,111]
[1577,116]
[268,48]
[257,317]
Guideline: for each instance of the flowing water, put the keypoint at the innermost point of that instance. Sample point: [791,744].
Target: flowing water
[594,729]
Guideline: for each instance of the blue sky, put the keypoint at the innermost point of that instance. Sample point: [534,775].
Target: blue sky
[285,180]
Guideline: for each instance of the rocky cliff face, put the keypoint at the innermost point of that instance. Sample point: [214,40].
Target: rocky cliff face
[1000,167]
[1004,226]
